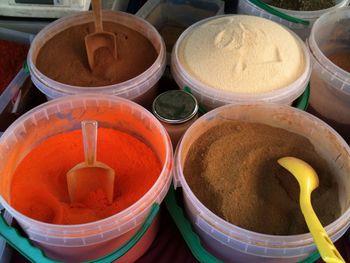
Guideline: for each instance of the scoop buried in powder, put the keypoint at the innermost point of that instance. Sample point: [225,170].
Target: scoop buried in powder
[99,39]
[90,176]
[308,182]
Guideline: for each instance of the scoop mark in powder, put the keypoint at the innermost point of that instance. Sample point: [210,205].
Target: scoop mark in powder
[235,38]
[232,38]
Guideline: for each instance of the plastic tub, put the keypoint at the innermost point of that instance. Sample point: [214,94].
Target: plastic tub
[115,5]
[234,244]
[141,88]
[14,86]
[211,98]
[172,17]
[75,243]
[5,100]
[249,8]
[330,84]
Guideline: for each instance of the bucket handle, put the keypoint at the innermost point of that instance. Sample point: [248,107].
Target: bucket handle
[303,101]
[34,254]
[278,13]
[192,239]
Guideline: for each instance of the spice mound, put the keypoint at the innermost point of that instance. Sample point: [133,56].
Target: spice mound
[303,5]
[39,185]
[63,58]
[12,56]
[232,169]
[243,54]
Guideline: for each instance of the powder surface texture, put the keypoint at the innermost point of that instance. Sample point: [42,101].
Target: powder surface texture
[245,54]
[39,185]
[232,168]
[63,58]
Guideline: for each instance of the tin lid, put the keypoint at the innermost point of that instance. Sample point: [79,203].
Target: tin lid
[175,106]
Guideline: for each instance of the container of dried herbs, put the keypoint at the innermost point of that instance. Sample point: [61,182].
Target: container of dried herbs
[298,15]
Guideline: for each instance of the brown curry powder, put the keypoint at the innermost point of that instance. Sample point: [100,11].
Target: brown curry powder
[232,168]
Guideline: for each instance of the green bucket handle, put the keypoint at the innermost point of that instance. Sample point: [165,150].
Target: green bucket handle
[192,239]
[34,254]
[303,101]
[278,13]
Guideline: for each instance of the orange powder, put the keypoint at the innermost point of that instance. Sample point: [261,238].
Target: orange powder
[39,185]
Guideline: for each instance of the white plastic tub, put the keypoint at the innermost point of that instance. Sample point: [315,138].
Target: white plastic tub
[211,98]
[330,84]
[234,244]
[141,88]
[246,7]
[76,243]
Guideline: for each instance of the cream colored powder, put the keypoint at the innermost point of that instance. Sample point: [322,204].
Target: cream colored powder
[242,54]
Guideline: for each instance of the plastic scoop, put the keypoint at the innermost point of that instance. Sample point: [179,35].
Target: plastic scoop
[90,176]
[100,38]
[308,181]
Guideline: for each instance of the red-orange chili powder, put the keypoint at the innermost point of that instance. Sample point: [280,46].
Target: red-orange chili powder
[39,185]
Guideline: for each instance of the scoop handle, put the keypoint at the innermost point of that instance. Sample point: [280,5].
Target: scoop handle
[96,8]
[325,246]
[89,130]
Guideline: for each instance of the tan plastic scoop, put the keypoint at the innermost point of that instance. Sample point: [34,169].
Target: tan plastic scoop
[100,38]
[91,175]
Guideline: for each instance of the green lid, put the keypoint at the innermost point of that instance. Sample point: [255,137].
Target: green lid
[175,106]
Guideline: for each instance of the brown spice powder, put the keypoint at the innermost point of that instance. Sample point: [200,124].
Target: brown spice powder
[232,168]
[341,58]
[63,58]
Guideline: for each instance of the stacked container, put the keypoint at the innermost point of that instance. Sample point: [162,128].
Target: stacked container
[330,84]
[300,27]
[172,17]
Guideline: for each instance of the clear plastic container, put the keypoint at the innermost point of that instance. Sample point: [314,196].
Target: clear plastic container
[27,26]
[234,244]
[142,88]
[172,17]
[211,98]
[247,7]
[76,243]
[115,5]
[15,85]
[5,99]
[330,84]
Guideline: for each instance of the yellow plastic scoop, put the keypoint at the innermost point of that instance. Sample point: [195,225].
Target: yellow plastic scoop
[90,176]
[100,38]
[308,181]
